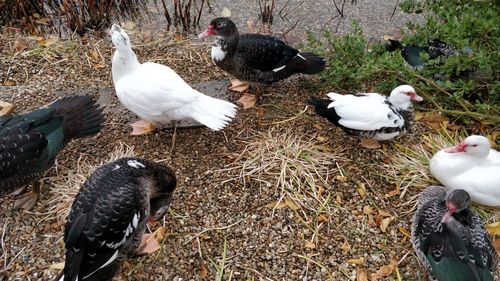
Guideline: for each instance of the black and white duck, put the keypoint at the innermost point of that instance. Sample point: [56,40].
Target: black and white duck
[257,58]
[450,239]
[370,115]
[109,216]
[30,142]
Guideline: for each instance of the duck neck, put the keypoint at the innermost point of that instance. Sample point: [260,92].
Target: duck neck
[225,47]
[124,62]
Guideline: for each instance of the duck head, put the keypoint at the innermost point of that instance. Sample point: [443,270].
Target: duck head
[456,201]
[164,183]
[477,146]
[220,27]
[120,38]
[402,96]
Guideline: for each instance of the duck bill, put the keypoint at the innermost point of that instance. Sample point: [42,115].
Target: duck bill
[207,33]
[417,98]
[461,147]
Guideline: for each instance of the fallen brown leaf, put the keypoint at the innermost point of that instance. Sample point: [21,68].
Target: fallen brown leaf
[385,270]
[248,101]
[367,210]
[20,45]
[385,223]
[370,143]
[309,245]
[276,205]
[361,275]
[346,247]
[57,266]
[357,261]
[291,204]
[435,119]
[361,190]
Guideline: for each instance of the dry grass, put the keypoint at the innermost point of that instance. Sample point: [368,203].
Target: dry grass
[298,168]
[66,185]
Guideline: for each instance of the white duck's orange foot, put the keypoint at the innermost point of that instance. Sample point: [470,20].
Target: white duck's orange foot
[6,108]
[142,127]
[26,201]
[239,86]
[370,143]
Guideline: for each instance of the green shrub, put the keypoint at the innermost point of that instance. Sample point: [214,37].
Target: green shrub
[466,85]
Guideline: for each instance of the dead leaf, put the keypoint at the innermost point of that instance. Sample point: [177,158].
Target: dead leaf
[203,271]
[496,244]
[149,243]
[250,26]
[367,210]
[384,213]
[404,231]
[47,42]
[318,126]
[385,223]
[57,266]
[322,218]
[361,275]
[357,261]
[322,139]
[248,101]
[291,204]
[309,245]
[276,205]
[370,143]
[225,12]
[341,178]
[393,193]
[338,199]
[361,190]
[493,228]
[93,55]
[346,247]
[130,25]
[9,83]
[260,111]
[20,45]
[435,119]
[385,270]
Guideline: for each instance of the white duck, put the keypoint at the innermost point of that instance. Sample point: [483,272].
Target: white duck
[158,95]
[370,115]
[472,166]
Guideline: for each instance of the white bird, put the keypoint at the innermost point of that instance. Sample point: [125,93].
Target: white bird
[370,115]
[158,95]
[472,166]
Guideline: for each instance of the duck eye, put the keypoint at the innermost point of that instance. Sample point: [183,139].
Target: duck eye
[474,145]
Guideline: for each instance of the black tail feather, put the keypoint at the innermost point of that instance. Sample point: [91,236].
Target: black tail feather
[82,116]
[321,108]
[309,63]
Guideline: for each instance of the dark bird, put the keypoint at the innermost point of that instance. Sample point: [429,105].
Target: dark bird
[370,115]
[449,238]
[255,57]
[109,216]
[30,142]
[412,53]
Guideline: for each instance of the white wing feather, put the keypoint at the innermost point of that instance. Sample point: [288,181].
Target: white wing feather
[364,112]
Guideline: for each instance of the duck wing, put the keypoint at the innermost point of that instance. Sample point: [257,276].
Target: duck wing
[365,112]
[264,53]
[105,217]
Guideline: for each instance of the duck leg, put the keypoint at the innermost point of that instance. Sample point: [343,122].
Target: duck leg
[7,108]
[174,124]
[142,127]
[29,199]
[239,86]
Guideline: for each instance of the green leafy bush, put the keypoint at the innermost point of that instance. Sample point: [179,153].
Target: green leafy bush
[466,85]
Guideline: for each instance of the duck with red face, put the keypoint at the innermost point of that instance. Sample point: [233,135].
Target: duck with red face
[255,57]
[470,165]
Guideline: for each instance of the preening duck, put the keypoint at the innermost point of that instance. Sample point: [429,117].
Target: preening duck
[156,94]
[255,57]
[109,216]
[370,115]
[471,165]
[450,239]
[30,142]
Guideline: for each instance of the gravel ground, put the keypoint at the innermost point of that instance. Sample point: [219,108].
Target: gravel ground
[215,225]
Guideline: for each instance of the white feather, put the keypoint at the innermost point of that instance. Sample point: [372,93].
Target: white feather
[111,259]
[217,53]
[135,164]
[279,68]
[157,94]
